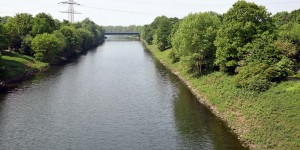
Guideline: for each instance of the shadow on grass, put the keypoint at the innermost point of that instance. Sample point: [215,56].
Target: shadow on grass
[14,54]
[14,69]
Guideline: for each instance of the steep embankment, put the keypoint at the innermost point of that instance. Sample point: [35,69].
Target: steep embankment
[268,120]
[17,67]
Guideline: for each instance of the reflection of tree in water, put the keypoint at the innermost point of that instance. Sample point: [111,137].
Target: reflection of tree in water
[198,127]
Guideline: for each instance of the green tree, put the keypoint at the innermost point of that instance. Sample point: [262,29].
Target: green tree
[194,40]
[291,32]
[73,40]
[43,23]
[87,38]
[46,47]
[147,34]
[281,18]
[3,38]
[97,31]
[295,16]
[26,45]
[3,20]
[266,61]
[241,25]
[150,30]
[17,28]
[162,33]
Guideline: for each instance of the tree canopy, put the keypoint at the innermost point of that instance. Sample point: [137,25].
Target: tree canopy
[194,40]
[241,25]
[43,23]
[21,33]
[257,49]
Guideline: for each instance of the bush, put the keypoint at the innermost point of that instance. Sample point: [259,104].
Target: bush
[253,76]
[174,56]
[46,47]
[26,45]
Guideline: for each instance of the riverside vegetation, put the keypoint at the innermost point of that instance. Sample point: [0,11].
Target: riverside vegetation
[29,44]
[238,63]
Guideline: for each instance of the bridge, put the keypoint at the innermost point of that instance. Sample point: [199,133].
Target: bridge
[123,33]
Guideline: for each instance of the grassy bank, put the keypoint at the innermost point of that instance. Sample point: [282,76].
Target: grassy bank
[15,66]
[268,120]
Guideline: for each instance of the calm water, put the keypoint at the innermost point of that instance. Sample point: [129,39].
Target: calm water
[115,97]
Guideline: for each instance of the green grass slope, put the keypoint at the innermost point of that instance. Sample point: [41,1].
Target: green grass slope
[14,65]
[268,120]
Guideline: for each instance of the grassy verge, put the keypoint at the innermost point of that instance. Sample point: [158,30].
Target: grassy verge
[268,120]
[14,65]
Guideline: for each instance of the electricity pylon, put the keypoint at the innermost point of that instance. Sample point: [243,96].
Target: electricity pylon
[71,12]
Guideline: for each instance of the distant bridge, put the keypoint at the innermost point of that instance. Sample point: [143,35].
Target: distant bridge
[123,33]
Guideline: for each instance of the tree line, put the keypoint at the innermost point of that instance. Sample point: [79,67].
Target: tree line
[247,42]
[131,28]
[48,39]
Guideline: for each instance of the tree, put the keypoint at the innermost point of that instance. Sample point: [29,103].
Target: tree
[281,18]
[291,32]
[26,45]
[147,34]
[73,40]
[46,47]
[18,27]
[87,37]
[150,30]
[194,40]
[97,31]
[3,20]
[3,38]
[295,16]
[161,36]
[266,61]
[241,25]
[43,23]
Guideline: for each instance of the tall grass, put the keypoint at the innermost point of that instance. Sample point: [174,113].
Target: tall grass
[267,120]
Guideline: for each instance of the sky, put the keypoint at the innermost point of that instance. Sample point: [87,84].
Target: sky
[133,12]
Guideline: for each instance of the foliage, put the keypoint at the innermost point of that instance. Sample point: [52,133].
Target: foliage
[147,34]
[46,47]
[281,18]
[266,120]
[174,56]
[73,40]
[295,16]
[26,45]
[194,40]
[87,37]
[159,30]
[287,48]
[161,36]
[16,65]
[291,32]
[264,62]
[97,31]
[43,23]
[3,20]
[253,76]
[241,25]
[17,28]
[131,28]
[3,38]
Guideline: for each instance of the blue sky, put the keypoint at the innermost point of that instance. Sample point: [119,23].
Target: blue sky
[138,12]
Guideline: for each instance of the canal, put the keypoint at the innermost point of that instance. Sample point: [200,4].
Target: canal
[114,97]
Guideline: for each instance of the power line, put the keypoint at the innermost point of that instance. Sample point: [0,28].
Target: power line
[71,12]
[196,4]
[124,11]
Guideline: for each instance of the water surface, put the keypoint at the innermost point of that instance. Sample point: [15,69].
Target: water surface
[114,97]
